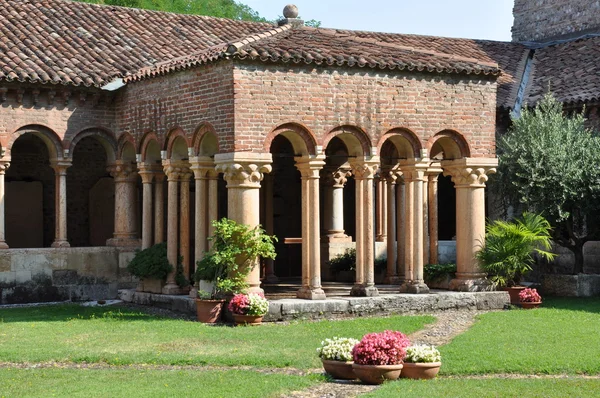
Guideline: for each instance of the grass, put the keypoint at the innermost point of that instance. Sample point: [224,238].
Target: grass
[71,333]
[477,388]
[559,338]
[147,383]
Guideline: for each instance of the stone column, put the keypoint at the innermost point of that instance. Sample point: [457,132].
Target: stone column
[4,165]
[391,276]
[414,178]
[125,176]
[334,181]
[469,176]
[60,171]
[159,207]
[243,172]
[309,168]
[184,220]
[364,172]
[270,276]
[213,200]
[173,171]
[147,177]
[432,189]
[380,213]
[200,167]
[400,229]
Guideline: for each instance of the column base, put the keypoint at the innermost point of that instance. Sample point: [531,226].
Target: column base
[338,237]
[60,243]
[413,287]
[364,291]
[311,294]
[171,288]
[124,242]
[471,285]
[271,279]
[392,280]
[255,289]
[3,245]
[194,292]
[381,238]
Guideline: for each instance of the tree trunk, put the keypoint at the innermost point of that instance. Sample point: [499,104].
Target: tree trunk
[578,252]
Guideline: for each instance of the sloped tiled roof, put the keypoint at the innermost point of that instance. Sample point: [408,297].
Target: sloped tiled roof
[570,70]
[63,42]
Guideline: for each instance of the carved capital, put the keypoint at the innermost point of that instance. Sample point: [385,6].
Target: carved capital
[123,171]
[147,173]
[336,177]
[176,170]
[203,167]
[243,170]
[469,172]
[365,169]
[4,165]
[60,166]
[310,167]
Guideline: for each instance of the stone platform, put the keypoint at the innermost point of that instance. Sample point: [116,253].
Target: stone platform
[343,306]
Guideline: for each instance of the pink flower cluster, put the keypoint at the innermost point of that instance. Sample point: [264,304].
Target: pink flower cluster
[239,304]
[385,348]
[529,296]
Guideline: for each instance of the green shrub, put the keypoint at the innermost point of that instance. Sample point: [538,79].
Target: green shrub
[151,263]
[347,262]
[438,272]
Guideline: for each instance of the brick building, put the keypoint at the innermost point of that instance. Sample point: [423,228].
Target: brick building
[122,128]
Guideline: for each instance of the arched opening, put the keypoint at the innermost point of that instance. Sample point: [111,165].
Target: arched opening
[90,193]
[30,193]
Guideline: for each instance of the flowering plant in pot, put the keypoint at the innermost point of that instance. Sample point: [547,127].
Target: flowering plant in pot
[336,355]
[378,356]
[248,308]
[421,362]
[530,298]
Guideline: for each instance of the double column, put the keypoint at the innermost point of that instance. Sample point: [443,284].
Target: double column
[391,177]
[125,176]
[309,168]
[152,209]
[244,172]
[364,172]
[469,176]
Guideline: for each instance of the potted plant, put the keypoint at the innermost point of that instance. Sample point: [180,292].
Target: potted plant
[229,261]
[151,266]
[248,309]
[506,254]
[421,362]
[336,355]
[378,356]
[530,298]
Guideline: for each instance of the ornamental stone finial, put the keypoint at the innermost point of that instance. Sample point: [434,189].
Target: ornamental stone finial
[290,11]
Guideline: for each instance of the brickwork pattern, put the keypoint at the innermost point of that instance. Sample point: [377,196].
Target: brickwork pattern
[537,20]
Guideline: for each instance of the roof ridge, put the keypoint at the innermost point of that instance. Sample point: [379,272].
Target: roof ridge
[413,49]
[235,47]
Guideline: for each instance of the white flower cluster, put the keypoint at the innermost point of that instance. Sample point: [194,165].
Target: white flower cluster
[422,353]
[257,304]
[337,349]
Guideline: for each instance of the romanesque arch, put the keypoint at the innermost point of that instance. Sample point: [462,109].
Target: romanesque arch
[205,141]
[303,141]
[448,145]
[47,135]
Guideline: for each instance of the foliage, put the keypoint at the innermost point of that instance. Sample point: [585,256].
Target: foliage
[151,263]
[347,262]
[337,349]
[529,296]
[385,348]
[249,304]
[507,252]
[549,163]
[232,256]
[437,272]
[422,354]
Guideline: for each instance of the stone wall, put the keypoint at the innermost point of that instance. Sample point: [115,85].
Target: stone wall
[267,96]
[41,275]
[537,20]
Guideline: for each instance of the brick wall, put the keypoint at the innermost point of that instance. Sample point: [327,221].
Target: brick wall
[267,96]
[536,20]
[185,99]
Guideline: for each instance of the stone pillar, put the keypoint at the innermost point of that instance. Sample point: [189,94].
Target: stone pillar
[380,212]
[432,192]
[60,171]
[173,171]
[3,167]
[364,172]
[469,176]
[184,220]
[309,168]
[400,229]
[391,276]
[334,181]
[125,176]
[243,172]
[159,207]
[414,177]
[147,177]
[270,276]
[213,200]
[200,167]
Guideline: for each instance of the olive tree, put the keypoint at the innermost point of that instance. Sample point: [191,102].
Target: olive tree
[550,164]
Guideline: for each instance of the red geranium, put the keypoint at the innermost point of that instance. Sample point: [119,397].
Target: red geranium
[529,296]
[239,304]
[386,348]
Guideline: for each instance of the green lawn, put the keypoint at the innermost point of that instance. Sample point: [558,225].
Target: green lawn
[469,388]
[562,337]
[146,383]
[71,333]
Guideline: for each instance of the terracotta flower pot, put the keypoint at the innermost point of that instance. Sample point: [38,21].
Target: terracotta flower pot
[209,311]
[376,374]
[341,370]
[420,370]
[530,305]
[513,292]
[250,320]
